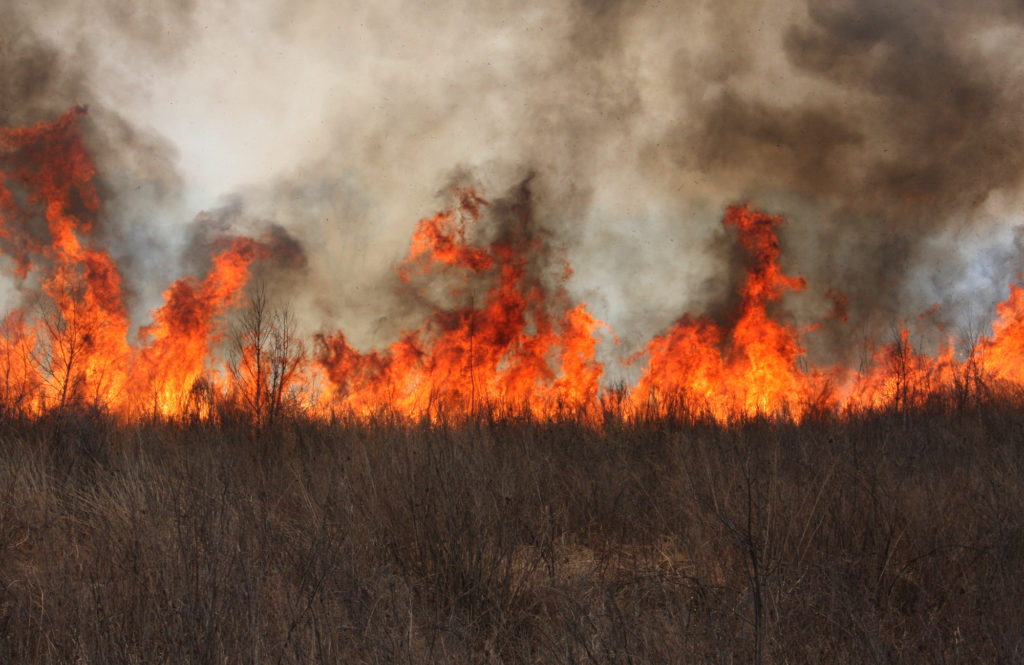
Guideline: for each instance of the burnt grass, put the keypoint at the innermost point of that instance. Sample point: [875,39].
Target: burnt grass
[893,537]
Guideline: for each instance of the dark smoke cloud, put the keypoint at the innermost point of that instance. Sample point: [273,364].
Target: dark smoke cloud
[34,76]
[906,107]
[951,113]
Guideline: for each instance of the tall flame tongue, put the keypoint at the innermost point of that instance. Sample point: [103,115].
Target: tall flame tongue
[76,349]
[184,329]
[497,354]
[1002,356]
[85,332]
[748,369]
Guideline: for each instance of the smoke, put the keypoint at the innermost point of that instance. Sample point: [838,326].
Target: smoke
[888,134]
[908,134]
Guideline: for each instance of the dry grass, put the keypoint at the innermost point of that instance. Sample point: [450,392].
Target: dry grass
[883,539]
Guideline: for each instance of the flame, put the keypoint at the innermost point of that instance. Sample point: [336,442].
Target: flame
[184,329]
[1002,355]
[76,350]
[508,342]
[474,358]
[749,369]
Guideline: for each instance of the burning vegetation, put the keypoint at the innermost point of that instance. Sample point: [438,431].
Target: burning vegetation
[281,432]
[515,346]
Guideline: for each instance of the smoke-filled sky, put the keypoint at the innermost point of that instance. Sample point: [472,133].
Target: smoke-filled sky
[889,134]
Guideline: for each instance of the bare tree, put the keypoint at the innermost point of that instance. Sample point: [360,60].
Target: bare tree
[265,357]
[64,342]
[247,362]
[286,355]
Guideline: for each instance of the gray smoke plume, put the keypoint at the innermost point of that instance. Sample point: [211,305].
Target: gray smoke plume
[888,134]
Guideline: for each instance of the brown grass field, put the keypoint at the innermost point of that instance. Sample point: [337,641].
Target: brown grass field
[878,538]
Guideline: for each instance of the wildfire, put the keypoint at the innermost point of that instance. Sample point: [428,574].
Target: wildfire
[512,343]
[73,349]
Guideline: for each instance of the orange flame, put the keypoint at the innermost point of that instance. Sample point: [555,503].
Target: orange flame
[76,350]
[184,329]
[519,346]
[468,359]
[750,369]
[1002,356]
